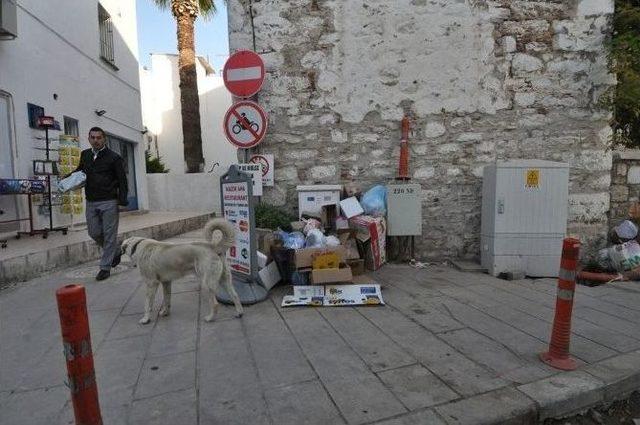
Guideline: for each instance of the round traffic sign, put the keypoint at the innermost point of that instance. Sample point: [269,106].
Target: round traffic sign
[264,163]
[245,124]
[243,73]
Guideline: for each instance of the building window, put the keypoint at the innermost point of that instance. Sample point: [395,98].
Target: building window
[71,127]
[106,36]
[34,112]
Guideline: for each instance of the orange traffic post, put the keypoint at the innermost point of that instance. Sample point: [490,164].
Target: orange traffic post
[558,354]
[76,340]
[403,169]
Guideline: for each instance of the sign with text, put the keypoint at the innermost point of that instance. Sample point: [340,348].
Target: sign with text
[256,172]
[235,196]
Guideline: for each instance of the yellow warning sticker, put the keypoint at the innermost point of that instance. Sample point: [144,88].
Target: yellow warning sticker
[533,179]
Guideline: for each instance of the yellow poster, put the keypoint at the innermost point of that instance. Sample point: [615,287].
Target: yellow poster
[533,179]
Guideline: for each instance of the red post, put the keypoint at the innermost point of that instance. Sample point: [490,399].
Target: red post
[76,340]
[403,169]
[558,354]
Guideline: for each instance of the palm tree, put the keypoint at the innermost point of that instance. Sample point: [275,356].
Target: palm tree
[185,12]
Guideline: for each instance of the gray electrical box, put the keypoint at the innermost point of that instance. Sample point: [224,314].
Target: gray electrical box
[404,209]
[524,216]
[8,19]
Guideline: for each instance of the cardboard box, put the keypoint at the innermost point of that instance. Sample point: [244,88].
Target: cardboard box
[304,256]
[334,295]
[371,233]
[351,207]
[328,217]
[347,239]
[321,276]
[342,223]
[357,266]
[269,276]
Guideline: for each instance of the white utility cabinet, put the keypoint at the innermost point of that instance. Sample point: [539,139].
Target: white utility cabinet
[524,216]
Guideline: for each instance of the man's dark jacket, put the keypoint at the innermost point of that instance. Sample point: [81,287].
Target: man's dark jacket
[106,178]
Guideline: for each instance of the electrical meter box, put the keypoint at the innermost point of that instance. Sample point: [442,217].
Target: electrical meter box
[404,209]
[524,216]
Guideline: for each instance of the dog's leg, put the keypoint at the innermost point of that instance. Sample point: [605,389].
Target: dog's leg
[166,300]
[152,287]
[227,279]
[210,282]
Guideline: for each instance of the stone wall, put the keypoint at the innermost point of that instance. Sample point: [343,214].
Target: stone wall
[625,184]
[481,81]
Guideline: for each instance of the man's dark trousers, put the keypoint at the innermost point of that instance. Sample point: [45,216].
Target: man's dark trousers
[102,224]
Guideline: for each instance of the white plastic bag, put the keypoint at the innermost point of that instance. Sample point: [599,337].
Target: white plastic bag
[315,239]
[74,181]
[622,257]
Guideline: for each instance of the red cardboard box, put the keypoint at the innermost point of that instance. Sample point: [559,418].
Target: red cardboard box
[372,233]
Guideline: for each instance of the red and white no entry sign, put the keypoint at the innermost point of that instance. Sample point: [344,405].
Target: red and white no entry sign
[245,124]
[243,73]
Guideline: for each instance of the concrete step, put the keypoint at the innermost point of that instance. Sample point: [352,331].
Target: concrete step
[33,256]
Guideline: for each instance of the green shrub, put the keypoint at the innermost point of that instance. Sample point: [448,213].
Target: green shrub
[624,61]
[154,165]
[272,217]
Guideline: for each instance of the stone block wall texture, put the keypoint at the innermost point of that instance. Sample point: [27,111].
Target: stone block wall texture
[481,81]
[625,184]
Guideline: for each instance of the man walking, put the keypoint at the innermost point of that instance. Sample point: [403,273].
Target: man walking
[105,189]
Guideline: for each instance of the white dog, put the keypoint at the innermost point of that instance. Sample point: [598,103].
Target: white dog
[163,262]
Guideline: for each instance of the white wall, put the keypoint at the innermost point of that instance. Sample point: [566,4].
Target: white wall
[57,51]
[167,192]
[161,113]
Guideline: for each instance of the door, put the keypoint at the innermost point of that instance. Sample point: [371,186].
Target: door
[125,149]
[8,203]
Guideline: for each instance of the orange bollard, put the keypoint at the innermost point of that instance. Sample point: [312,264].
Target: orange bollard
[76,340]
[558,354]
[403,169]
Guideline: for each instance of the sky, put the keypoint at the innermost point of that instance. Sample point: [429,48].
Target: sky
[157,34]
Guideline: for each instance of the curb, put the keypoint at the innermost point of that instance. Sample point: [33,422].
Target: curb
[29,266]
[561,395]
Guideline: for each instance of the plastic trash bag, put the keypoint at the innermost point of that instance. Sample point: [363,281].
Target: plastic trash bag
[315,239]
[622,257]
[626,230]
[293,240]
[311,224]
[374,201]
[332,241]
[74,181]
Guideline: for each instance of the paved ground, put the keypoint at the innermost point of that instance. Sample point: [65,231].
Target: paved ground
[450,347]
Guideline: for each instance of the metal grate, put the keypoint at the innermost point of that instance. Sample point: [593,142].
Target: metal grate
[106,35]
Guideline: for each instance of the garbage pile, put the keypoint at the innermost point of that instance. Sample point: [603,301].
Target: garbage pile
[620,261]
[338,235]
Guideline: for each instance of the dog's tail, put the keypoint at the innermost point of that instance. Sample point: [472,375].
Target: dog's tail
[227,230]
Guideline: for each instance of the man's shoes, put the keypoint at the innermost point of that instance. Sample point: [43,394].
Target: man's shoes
[116,260]
[103,274]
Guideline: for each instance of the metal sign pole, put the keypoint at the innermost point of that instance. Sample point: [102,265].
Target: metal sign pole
[236,200]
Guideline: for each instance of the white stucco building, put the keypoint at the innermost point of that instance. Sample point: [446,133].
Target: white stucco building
[76,61]
[161,113]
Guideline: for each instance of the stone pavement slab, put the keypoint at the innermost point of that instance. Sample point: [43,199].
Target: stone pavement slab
[303,403]
[416,387]
[506,406]
[564,394]
[449,347]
